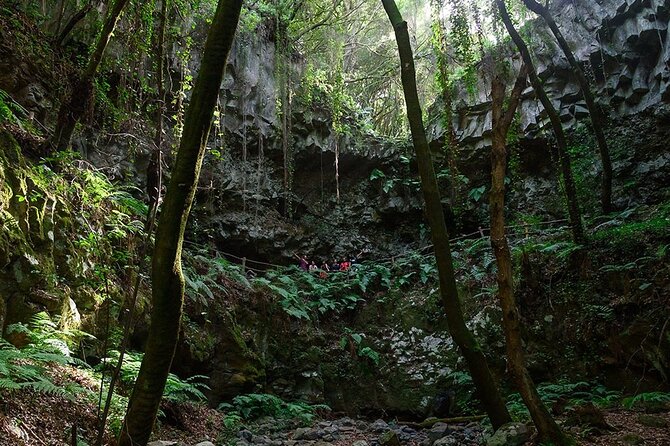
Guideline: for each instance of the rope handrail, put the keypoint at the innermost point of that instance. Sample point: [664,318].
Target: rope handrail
[392,259]
[28,114]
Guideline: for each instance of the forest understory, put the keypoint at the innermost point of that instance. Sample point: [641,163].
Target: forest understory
[483,189]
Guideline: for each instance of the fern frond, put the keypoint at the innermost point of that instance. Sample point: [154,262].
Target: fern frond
[8,384]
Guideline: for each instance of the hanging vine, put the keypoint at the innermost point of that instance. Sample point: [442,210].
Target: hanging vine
[445,87]
[283,50]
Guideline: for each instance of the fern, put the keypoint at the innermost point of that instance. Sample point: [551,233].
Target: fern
[27,367]
[256,405]
[574,393]
[659,399]
[176,389]
[6,108]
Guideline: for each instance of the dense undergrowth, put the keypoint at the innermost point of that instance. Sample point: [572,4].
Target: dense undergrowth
[108,222]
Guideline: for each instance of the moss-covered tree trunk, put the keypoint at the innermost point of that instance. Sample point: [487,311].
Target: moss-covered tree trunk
[597,118]
[470,349]
[574,212]
[501,122]
[166,274]
[72,110]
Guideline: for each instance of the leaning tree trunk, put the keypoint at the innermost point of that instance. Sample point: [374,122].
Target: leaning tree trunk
[566,168]
[502,119]
[76,18]
[72,110]
[479,369]
[597,118]
[166,274]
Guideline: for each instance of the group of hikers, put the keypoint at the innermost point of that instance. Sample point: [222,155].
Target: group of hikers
[326,267]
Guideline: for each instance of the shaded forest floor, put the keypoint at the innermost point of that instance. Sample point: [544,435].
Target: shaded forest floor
[29,418]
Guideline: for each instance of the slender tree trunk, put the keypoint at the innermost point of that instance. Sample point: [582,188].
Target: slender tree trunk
[451,141]
[479,369]
[566,168]
[76,18]
[154,169]
[59,17]
[154,187]
[71,111]
[502,120]
[167,277]
[597,118]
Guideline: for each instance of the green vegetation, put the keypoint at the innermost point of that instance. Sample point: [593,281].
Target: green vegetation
[311,154]
[247,408]
[176,389]
[354,342]
[648,401]
[7,108]
[569,395]
[43,345]
[256,405]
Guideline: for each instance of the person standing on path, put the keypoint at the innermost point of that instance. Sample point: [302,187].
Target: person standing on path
[304,264]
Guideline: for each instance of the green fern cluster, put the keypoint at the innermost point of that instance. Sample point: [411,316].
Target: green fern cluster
[6,108]
[574,394]
[27,367]
[649,401]
[176,389]
[203,276]
[306,296]
[256,405]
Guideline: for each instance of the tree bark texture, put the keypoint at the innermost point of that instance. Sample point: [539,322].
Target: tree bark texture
[574,212]
[597,118]
[502,119]
[72,110]
[470,349]
[76,18]
[167,277]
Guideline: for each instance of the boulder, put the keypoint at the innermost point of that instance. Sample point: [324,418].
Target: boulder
[447,441]
[632,439]
[652,421]
[510,434]
[306,433]
[379,426]
[360,443]
[438,431]
[389,438]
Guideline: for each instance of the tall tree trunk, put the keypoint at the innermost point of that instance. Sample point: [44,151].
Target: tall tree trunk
[167,277]
[597,118]
[566,168]
[76,18]
[71,111]
[154,169]
[154,187]
[59,18]
[479,369]
[502,119]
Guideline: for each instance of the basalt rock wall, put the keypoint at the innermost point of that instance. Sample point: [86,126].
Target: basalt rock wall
[622,45]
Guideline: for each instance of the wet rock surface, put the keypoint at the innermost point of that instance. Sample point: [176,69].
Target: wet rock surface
[346,431]
[349,432]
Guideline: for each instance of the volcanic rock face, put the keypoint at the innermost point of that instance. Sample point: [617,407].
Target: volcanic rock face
[255,178]
[621,45]
[623,48]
